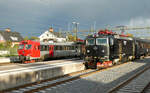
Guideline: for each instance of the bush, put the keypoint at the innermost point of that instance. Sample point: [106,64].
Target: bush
[7,46]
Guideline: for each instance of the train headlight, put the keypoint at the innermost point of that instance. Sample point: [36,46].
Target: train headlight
[28,57]
[103,51]
[88,51]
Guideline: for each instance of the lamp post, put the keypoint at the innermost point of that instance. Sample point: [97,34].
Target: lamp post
[76,29]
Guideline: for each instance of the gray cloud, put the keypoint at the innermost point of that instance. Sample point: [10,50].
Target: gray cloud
[35,16]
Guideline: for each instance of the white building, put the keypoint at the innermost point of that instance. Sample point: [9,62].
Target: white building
[51,36]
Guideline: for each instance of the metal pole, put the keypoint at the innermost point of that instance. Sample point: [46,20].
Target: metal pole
[76,31]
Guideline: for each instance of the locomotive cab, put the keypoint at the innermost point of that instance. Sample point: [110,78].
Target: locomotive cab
[108,48]
[98,49]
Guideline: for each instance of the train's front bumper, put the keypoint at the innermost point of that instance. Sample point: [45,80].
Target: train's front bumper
[24,58]
[91,58]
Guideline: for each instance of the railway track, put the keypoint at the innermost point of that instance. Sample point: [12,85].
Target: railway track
[146,89]
[61,82]
[138,83]
[41,85]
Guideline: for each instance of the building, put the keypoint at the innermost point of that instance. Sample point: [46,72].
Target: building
[8,35]
[51,36]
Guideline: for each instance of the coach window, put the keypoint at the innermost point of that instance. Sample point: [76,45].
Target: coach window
[68,47]
[73,48]
[47,47]
[56,48]
[42,47]
[28,46]
[64,47]
[59,47]
[50,48]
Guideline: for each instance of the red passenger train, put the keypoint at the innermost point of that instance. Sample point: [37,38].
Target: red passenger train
[31,51]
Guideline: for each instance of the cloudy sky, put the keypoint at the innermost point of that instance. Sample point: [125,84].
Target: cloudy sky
[32,17]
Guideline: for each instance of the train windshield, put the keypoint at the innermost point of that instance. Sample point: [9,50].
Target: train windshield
[90,41]
[101,41]
[28,46]
[21,46]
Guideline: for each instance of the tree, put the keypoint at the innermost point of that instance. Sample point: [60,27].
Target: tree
[71,38]
[34,38]
[26,38]
[130,35]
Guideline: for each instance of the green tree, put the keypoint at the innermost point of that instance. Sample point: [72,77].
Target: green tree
[34,38]
[130,35]
[71,38]
[1,46]
[26,38]
[8,44]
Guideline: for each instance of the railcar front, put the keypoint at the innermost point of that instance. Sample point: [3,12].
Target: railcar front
[28,50]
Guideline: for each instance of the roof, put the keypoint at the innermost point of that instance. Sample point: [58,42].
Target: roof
[11,36]
[60,35]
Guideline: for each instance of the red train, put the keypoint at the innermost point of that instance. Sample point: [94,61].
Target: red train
[32,51]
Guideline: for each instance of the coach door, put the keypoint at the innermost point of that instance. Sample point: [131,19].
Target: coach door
[36,51]
[51,50]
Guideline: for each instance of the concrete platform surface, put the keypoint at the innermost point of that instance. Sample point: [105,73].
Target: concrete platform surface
[9,59]
[20,74]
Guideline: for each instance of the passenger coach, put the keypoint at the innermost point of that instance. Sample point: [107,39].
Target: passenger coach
[31,51]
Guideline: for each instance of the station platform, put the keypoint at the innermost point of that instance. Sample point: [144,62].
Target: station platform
[20,74]
[9,59]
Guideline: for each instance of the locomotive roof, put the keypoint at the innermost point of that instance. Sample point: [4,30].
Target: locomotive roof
[142,40]
[114,36]
[120,37]
[66,43]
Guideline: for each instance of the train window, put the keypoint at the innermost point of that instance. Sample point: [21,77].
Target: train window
[28,46]
[46,47]
[60,47]
[101,41]
[21,46]
[56,47]
[36,48]
[73,48]
[50,48]
[90,41]
[67,48]
[64,47]
[43,47]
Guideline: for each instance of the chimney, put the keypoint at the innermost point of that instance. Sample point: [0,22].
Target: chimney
[51,29]
[7,29]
